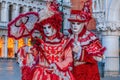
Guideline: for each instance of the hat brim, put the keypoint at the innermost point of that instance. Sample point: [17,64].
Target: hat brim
[81,21]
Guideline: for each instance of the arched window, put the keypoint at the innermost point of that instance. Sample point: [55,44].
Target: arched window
[30,9]
[21,10]
[1,47]
[10,12]
[10,48]
[0,10]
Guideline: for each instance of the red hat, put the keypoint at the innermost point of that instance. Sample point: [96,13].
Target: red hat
[79,16]
[83,15]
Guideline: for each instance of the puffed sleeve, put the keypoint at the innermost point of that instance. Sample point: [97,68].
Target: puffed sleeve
[95,48]
[95,51]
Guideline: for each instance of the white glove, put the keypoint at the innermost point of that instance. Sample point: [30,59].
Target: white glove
[76,47]
[28,49]
[77,50]
[97,58]
[52,66]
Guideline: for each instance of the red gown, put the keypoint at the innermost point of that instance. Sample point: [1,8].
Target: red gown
[55,54]
[86,67]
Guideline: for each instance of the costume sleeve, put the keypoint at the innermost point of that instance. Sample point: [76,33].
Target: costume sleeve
[24,58]
[66,63]
[95,48]
[95,51]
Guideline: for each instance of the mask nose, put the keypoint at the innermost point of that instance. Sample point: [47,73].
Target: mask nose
[75,25]
[46,29]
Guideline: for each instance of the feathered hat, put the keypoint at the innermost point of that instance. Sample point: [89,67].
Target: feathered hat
[82,12]
[50,15]
[83,15]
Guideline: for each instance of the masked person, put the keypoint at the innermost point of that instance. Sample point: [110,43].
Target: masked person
[87,49]
[55,53]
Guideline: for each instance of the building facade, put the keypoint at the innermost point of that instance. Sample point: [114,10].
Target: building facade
[9,9]
[107,16]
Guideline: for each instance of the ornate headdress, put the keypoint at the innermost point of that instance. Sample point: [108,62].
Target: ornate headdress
[83,15]
[50,15]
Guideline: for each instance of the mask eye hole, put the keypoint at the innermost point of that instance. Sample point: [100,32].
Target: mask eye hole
[49,26]
[73,23]
[78,23]
[44,27]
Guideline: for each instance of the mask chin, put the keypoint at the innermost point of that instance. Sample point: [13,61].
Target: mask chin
[53,35]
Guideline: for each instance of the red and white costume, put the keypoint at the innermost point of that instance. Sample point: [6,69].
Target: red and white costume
[55,53]
[87,49]
[86,68]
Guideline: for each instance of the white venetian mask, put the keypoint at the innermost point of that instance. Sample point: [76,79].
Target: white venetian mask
[48,30]
[76,27]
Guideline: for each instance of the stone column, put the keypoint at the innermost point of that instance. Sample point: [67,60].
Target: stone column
[25,41]
[5,46]
[16,46]
[112,53]
[4,12]
[66,23]
[15,12]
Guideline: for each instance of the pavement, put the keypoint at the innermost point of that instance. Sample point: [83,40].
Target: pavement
[111,78]
[9,70]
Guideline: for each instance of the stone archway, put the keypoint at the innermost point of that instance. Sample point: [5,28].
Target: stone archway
[111,37]
[114,10]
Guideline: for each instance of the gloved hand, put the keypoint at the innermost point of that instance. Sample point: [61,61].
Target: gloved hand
[51,68]
[77,50]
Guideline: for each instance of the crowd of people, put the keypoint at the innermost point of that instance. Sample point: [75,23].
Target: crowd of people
[59,57]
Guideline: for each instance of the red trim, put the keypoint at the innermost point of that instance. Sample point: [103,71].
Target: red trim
[90,42]
[17,18]
[100,53]
[80,13]
[65,68]
[60,37]
[88,37]
[75,20]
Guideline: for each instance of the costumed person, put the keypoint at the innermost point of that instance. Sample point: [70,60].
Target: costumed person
[87,48]
[55,53]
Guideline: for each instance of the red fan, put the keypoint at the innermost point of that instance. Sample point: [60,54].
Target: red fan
[23,25]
